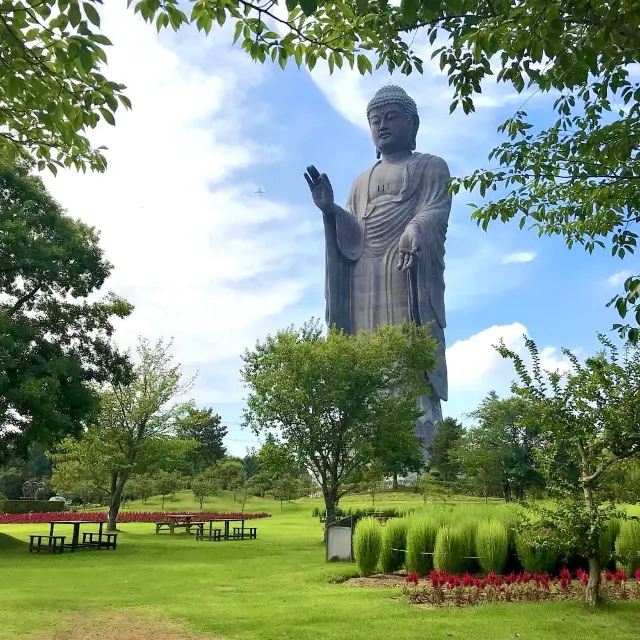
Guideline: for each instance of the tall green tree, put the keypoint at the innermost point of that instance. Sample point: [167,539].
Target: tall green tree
[133,432]
[576,178]
[329,396]
[55,343]
[509,440]
[204,427]
[441,449]
[591,414]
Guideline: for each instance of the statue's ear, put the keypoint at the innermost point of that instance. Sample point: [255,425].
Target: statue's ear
[378,154]
[414,132]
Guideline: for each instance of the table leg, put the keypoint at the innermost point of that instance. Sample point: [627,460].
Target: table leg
[51,529]
[226,529]
[76,535]
[242,530]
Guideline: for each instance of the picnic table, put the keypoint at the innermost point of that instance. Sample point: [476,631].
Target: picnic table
[173,520]
[239,533]
[95,540]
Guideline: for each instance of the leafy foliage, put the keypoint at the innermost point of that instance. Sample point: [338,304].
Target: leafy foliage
[204,427]
[133,430]
[51,88]
[590,416]
[54,342]
[448,433]
[492,546]
[394,540]
[421,540]
[499,449]
[329,396]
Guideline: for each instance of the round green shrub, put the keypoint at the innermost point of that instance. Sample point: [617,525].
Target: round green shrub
[492,546]
[449,552]
[394,536]
[421,538]
[367,544]
[535,559]
[628,546]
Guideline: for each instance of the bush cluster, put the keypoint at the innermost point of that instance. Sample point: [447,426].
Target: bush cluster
[437,541]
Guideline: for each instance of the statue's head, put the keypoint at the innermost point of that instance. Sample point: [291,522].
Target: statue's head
[393,120]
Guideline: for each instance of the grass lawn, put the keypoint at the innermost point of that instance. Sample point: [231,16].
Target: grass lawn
[273,587]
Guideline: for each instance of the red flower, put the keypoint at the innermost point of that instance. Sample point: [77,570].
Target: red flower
[565,574]
[412,578]
[467,579]
[583,576]
[608,576]
[511,578]
[564,583]
[434,576]
[526,577]
[637,575]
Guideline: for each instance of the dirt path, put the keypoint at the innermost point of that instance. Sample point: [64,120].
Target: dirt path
[121,626]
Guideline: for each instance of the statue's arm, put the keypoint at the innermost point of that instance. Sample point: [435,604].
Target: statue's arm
[342,226]
[436,198]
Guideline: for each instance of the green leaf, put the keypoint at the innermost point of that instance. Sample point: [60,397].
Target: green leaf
[92,14]
[238,31]
[291,5]
[108,116]
[410,9]
[86,59]
[74,14]
[364,64]
[308,7]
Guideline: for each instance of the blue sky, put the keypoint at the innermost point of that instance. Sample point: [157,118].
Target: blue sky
[213,266]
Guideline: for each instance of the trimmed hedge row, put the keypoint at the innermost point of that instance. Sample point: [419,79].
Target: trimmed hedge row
[28,506]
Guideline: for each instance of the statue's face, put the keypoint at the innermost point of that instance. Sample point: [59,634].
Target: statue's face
[391,130]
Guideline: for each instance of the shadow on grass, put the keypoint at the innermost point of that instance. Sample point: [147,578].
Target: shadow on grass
[9,543]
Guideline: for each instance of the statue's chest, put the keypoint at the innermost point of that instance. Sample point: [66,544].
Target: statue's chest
[386,181]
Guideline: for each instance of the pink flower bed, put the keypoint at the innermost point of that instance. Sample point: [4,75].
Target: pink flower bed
[123,516]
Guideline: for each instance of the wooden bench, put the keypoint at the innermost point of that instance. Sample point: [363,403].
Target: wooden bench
[170,526]
[248,532]
[100,540]
[215,535]
[53,543]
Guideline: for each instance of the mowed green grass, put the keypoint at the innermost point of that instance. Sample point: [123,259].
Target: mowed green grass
[274,587]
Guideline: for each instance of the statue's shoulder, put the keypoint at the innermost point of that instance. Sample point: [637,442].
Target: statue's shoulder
[432,166]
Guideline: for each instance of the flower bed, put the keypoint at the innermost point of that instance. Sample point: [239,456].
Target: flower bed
[123,516]
[450,589]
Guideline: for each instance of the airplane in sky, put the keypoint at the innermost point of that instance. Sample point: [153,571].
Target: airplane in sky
[260,192]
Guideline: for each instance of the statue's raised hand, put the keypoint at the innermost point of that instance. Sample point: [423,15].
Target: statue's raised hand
[409,249]
[321,189]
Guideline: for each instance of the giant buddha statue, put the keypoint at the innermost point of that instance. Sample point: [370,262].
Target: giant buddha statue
[385,249]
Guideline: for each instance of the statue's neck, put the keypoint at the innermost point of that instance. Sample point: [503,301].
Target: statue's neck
[399,156]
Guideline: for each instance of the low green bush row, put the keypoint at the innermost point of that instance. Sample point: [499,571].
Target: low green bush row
[419,544]
[30,506]
[364,511]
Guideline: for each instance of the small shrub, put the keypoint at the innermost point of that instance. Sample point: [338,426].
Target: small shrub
[608,541]
[421,538]
[316,512]
[534,558]
[367,544]
[492,546]
[394,536]
[449,552]
[628,546]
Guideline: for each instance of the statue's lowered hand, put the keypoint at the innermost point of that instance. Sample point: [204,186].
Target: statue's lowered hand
[409,249]
[321,189]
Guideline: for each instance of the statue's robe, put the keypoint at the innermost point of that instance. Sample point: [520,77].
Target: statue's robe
[364,288]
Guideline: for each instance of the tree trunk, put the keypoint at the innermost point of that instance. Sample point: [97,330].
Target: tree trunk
[592,595]
[394,486]
[162,507]
[330,504]
[117,486]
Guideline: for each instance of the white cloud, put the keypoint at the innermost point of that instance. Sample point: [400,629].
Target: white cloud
[475,367]
[519,256]
[194,249]
[618,278]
